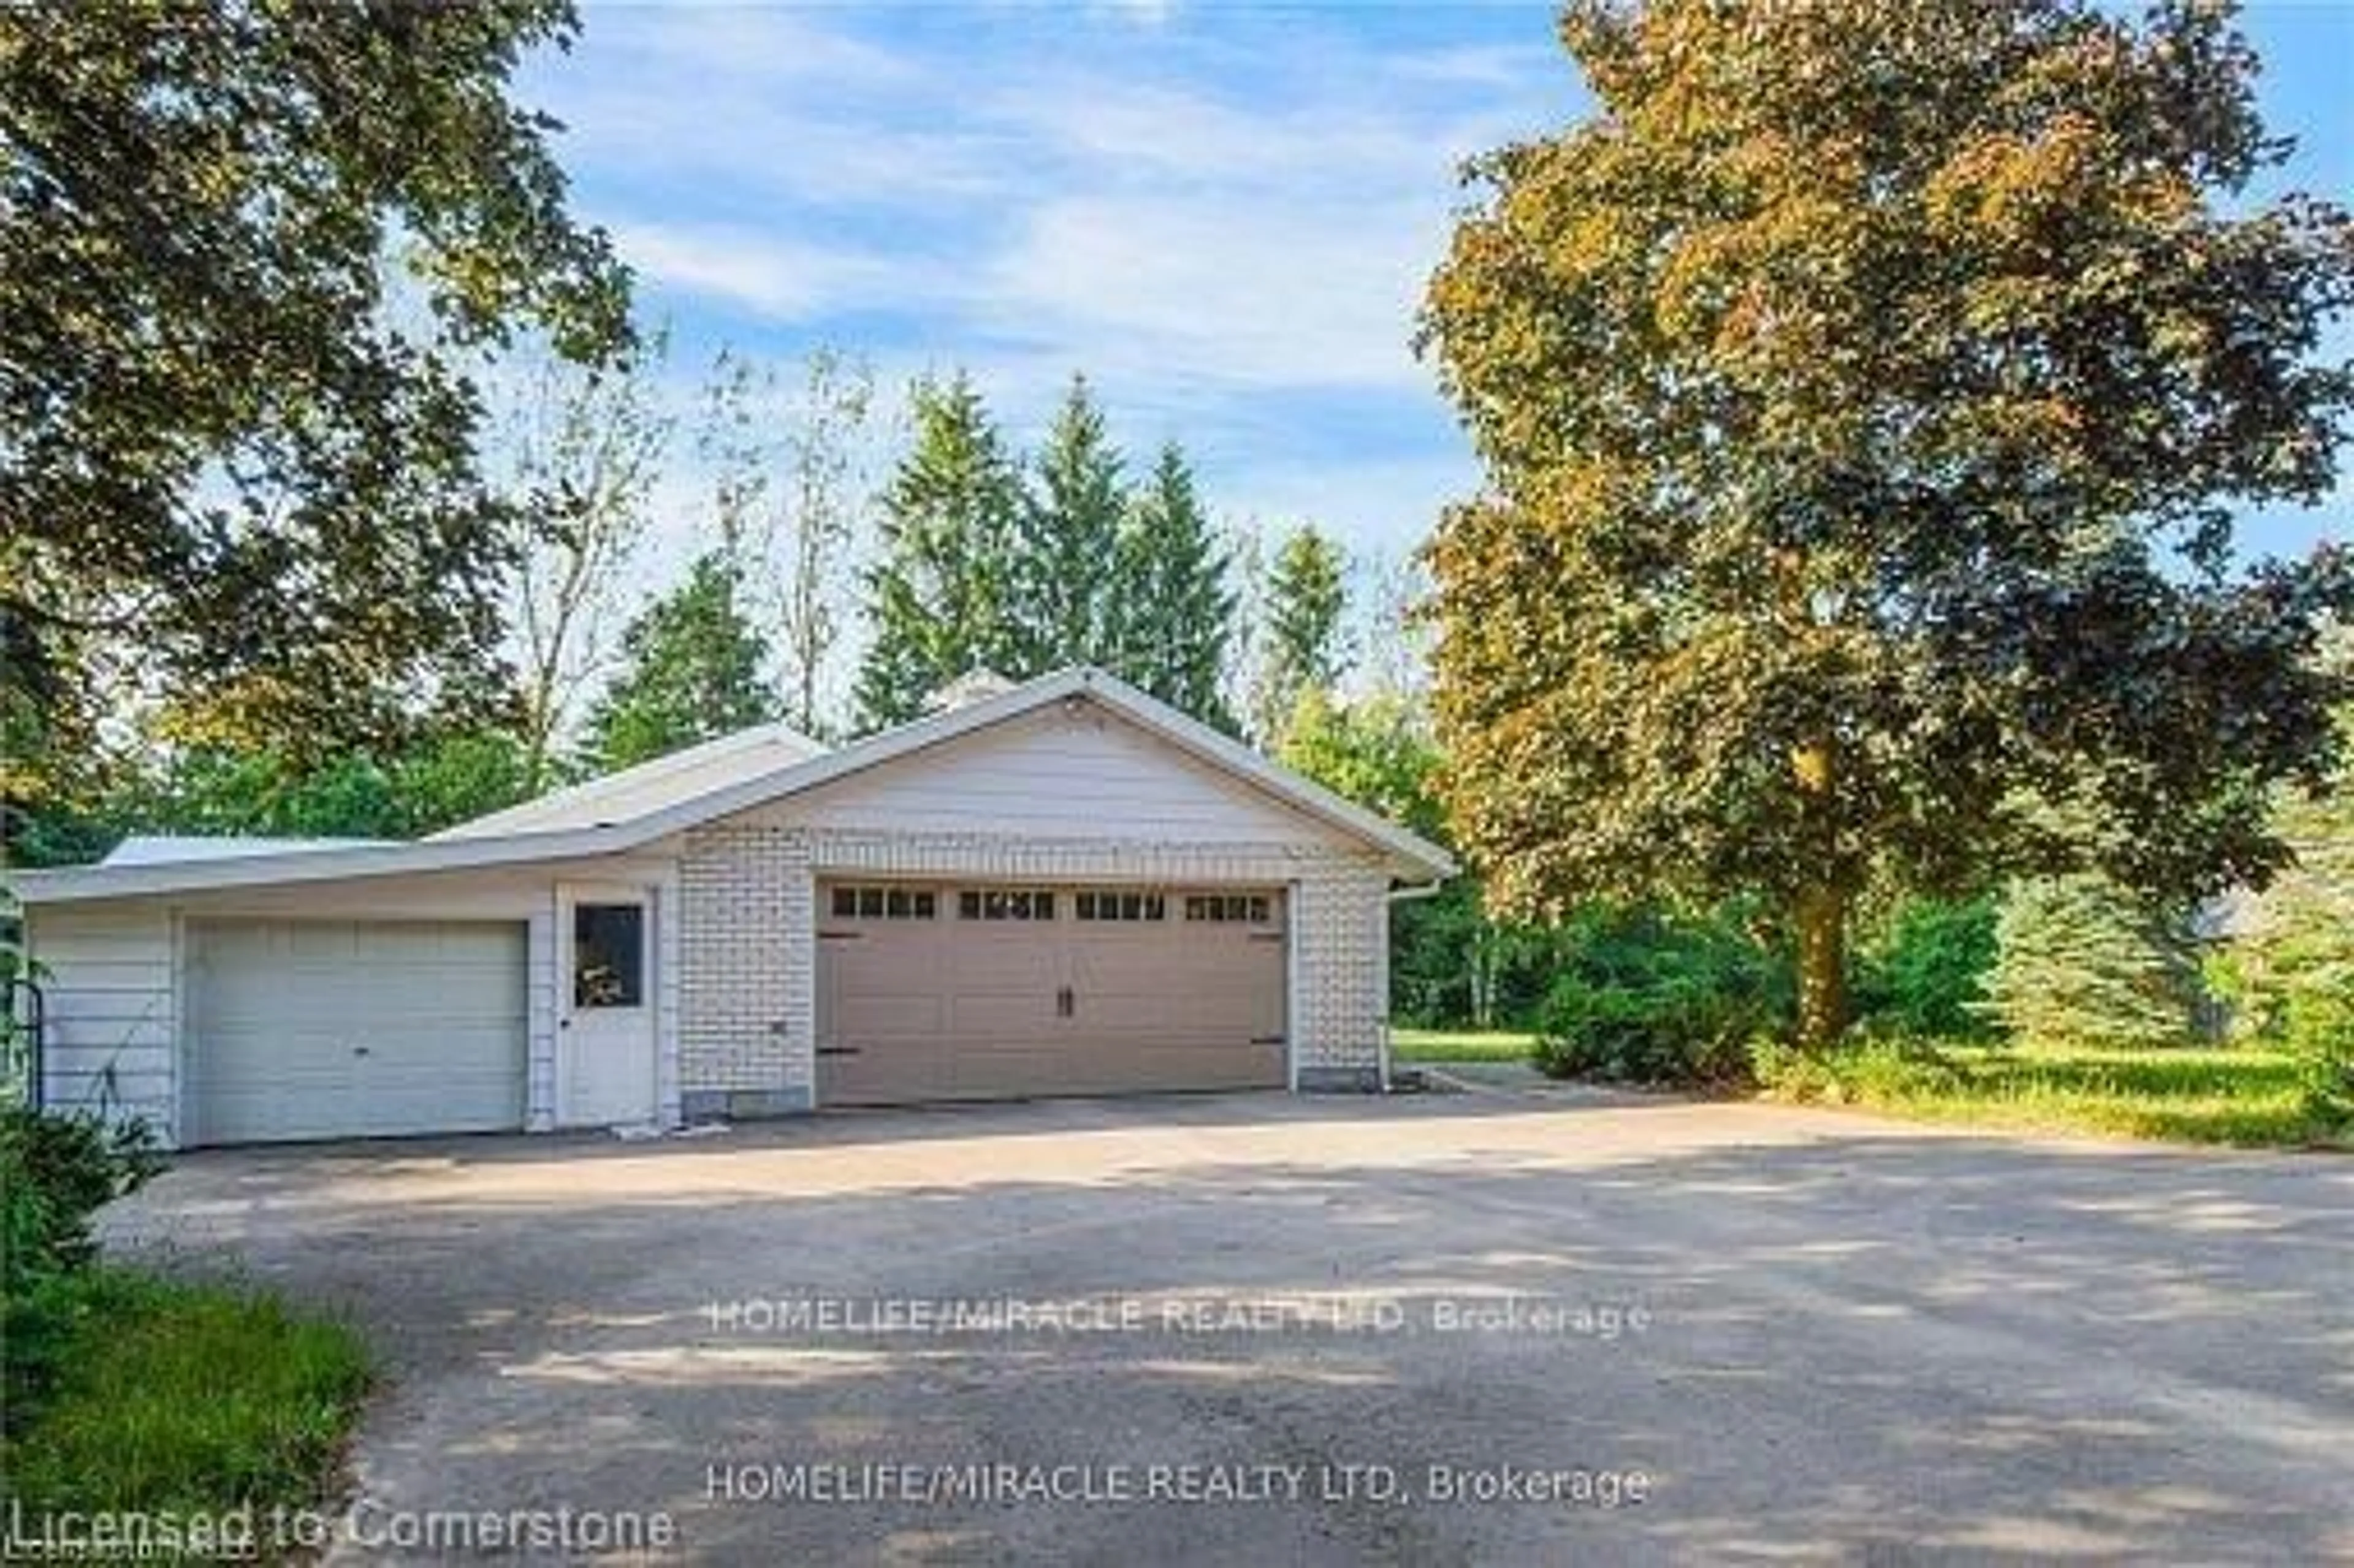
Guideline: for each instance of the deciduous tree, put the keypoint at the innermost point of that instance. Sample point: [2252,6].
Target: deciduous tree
[216,444]
[1864,392]
[794,491]
[587,447]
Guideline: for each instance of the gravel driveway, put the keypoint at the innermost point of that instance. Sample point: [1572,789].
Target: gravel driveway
[1452,1328]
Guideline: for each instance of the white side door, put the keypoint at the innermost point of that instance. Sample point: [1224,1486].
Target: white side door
[605,1054]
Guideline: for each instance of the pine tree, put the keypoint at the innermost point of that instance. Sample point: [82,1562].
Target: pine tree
[1306,597]
[2077,962]
[1064,571]
[1174,607]
[693,669]
[939,598]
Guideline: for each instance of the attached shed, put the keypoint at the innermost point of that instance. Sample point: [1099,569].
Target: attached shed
[1063,888]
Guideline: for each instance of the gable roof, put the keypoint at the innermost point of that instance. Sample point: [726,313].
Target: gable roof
[640,805]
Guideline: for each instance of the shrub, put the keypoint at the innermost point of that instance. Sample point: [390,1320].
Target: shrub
[1926,974]
[1646,998]
[2317,1027]
[57,1172]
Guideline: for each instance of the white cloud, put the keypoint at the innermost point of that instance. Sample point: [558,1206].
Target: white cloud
[760,271]
[1142,13]
[1230,243]
[1255,295]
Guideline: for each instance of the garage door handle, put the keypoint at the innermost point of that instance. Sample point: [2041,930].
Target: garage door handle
[359,1050]
[837,1050]
[1066,1004]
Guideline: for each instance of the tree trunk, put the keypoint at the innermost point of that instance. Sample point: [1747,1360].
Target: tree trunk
[1820,907]
[1822,966]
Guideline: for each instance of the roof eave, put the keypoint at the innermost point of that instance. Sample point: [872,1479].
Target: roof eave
[1408,855]
[85,884]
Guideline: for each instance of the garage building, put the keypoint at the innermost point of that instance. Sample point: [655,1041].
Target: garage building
[1066,887]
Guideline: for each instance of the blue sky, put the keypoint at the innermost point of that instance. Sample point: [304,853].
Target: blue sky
[1221,212]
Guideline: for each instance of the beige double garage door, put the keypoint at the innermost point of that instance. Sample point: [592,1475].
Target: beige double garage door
[949,990]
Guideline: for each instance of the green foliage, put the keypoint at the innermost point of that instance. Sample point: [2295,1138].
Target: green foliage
[232,470]
[1409,1043]
[981,572]
[1175,612]
[1064,571]
[2317,1027]
[1306,603]
[2080,962]
[18,968]
[1864,392]
[1873,1069]
[2293,966]
[439,779]
[1377,753]
[120,1392]
[692,670]
[2231,1095]
[457,777]
[143,1394]
[937,596]
[1450,963]
[55,1173]
[1642,997]
[1454,964]
[1925,974]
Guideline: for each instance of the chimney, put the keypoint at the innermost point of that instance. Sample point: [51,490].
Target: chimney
[973,687]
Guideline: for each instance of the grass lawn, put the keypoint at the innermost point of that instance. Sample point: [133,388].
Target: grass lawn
[1459,1046]
[2237,1096]
[138,1394]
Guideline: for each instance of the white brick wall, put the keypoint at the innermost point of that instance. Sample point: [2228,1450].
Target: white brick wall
[748,997]
[1340,1008]
[747,938]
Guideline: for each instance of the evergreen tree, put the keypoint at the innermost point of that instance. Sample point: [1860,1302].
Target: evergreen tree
[1064,569]
[2077,962]
[1306,597]
[2292,967]
[1173,608]
[939,597]
[693,670]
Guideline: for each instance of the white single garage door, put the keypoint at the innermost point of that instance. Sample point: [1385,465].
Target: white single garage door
[352,1029]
